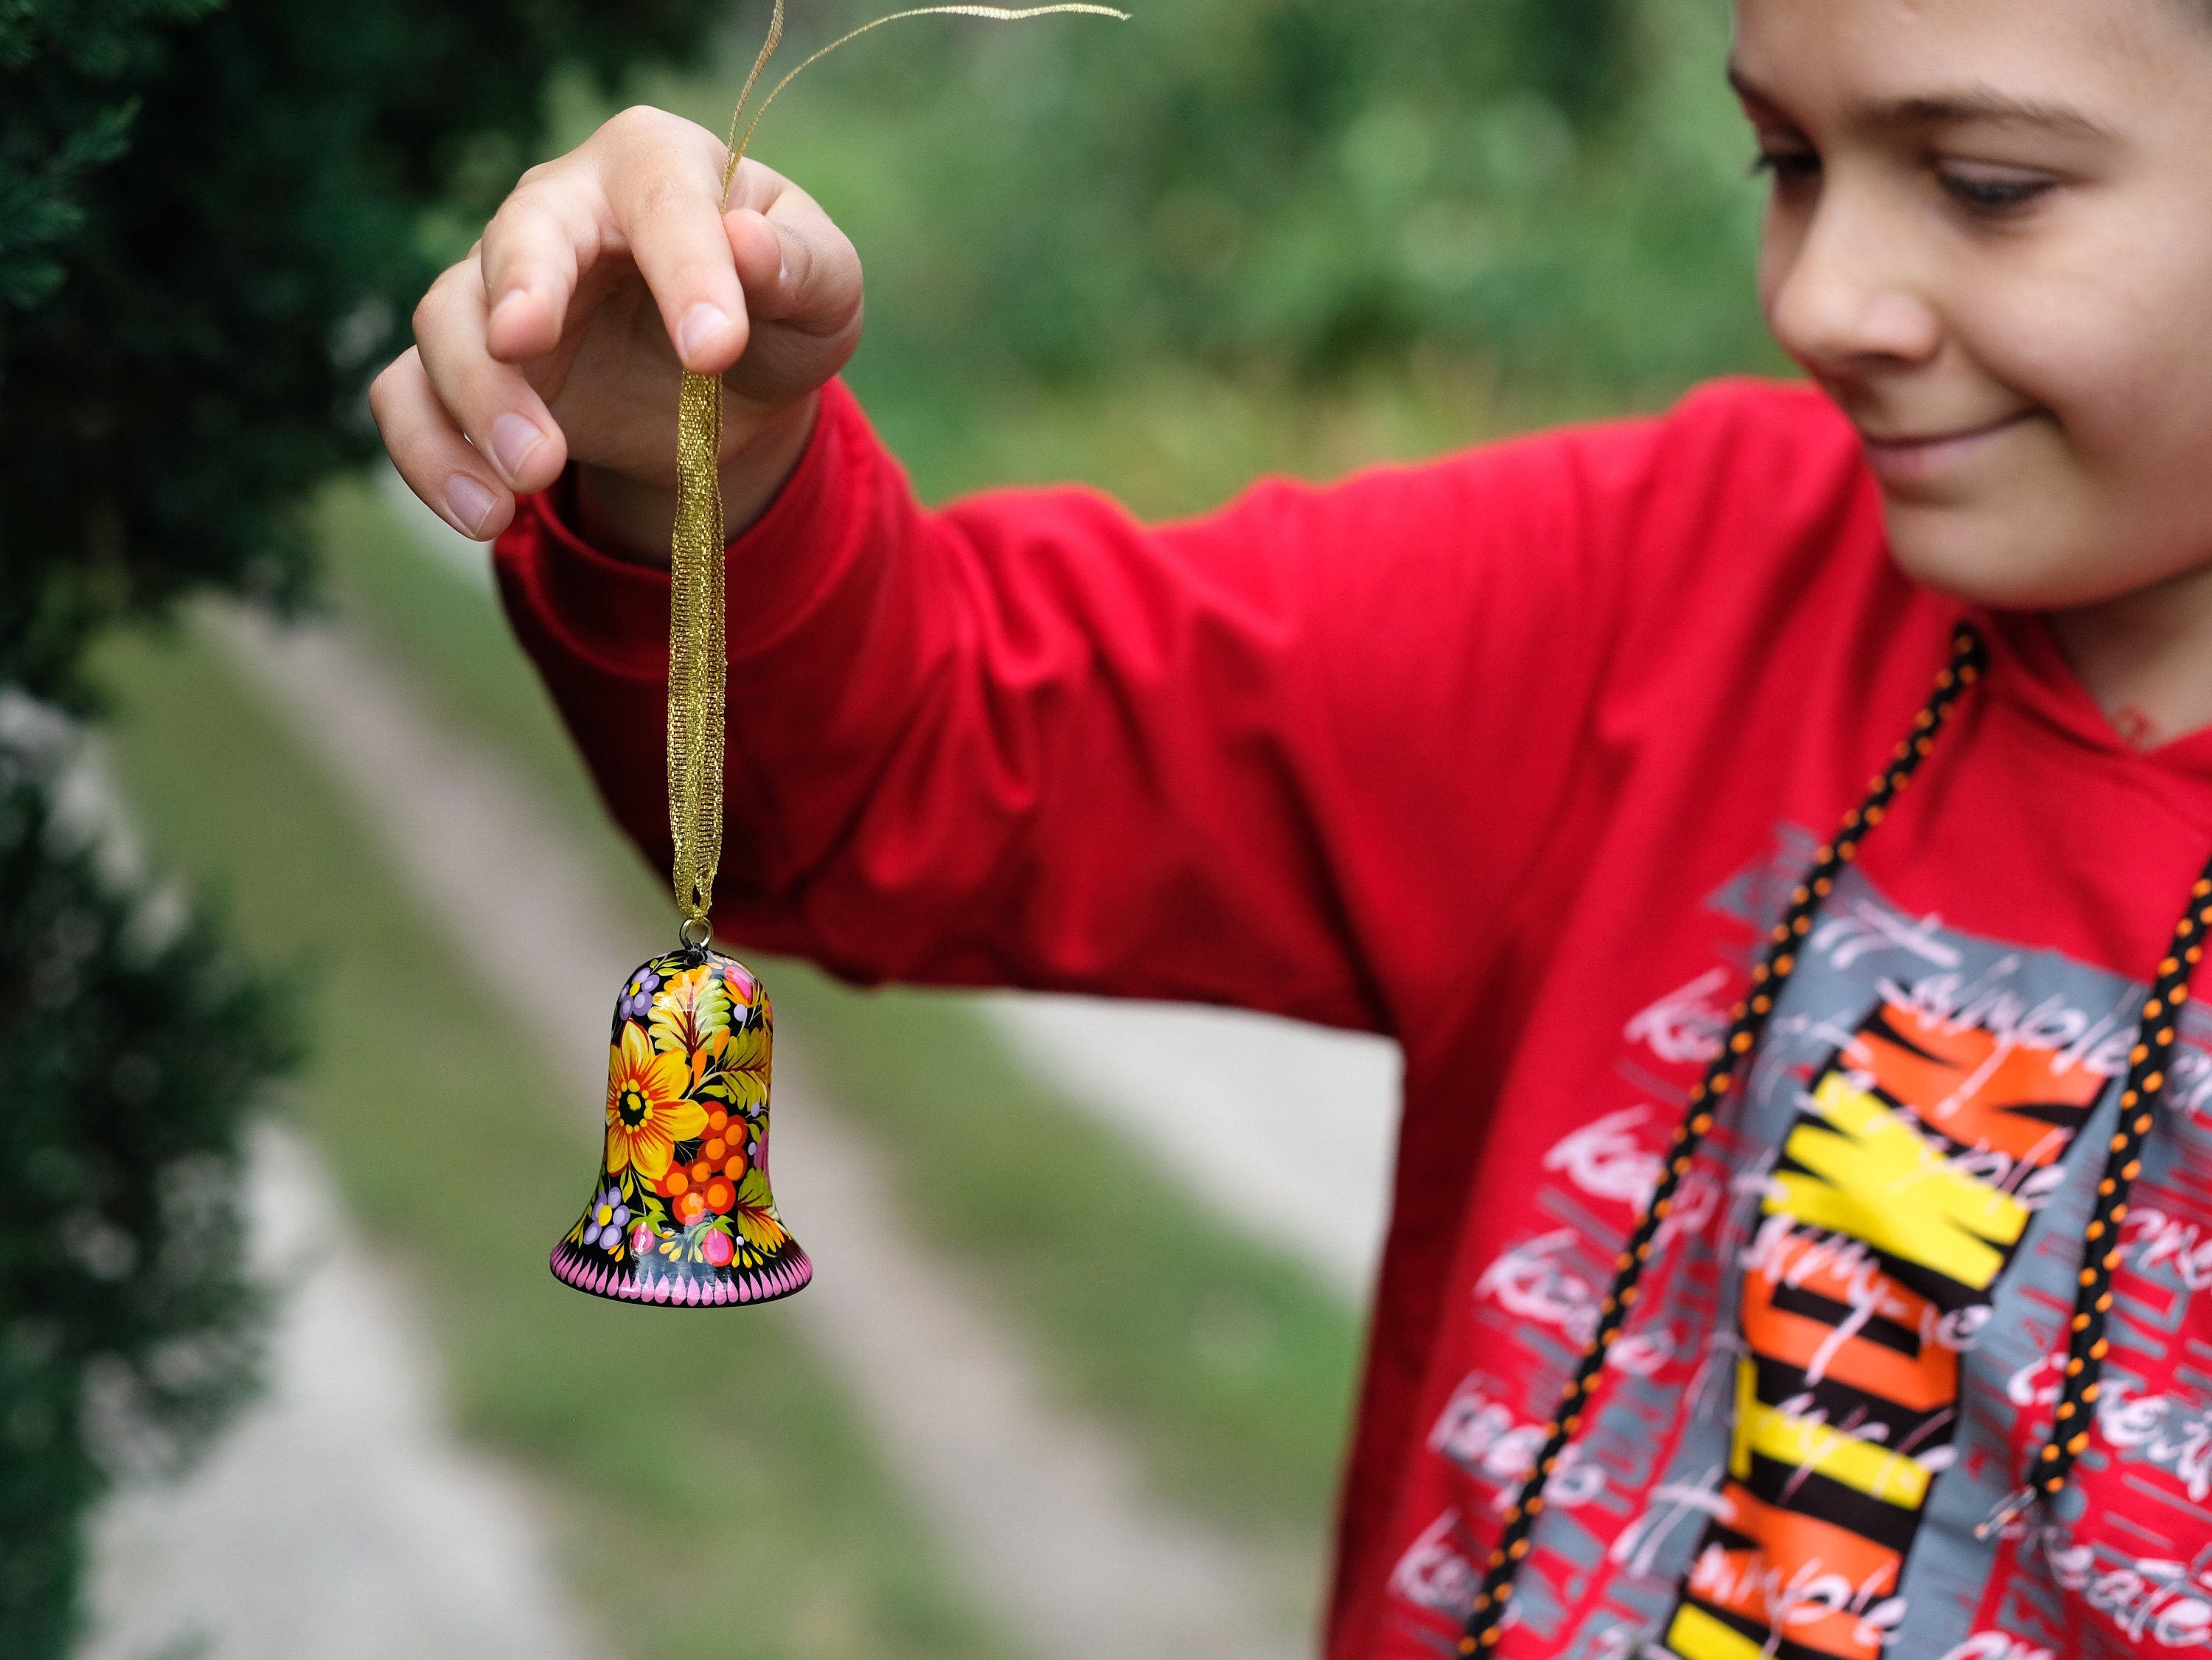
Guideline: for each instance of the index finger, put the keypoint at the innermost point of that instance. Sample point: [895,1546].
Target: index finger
[548,233]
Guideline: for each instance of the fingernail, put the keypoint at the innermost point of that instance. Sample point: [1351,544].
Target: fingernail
[701,324]
[513,438]
[469,501]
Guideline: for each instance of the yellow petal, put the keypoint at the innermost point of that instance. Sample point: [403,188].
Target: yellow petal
[617,1151]
[678,1119]
[649,1150]
[667,1076]
[636,1048]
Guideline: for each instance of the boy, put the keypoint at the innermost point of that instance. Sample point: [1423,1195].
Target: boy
[1519,757]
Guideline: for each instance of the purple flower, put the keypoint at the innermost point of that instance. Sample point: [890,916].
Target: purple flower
[603,1222]
[637,999]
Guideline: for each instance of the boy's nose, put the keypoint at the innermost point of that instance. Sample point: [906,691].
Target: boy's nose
[1846,296]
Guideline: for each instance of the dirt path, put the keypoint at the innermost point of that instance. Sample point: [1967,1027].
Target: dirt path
[1042,1512]
[338,1519]
[1234,1104]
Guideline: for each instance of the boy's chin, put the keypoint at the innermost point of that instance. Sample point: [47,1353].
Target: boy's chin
[2004,561]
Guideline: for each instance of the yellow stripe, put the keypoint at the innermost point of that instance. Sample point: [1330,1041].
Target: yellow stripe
[1696,1635]
[1747,1403]
[1801,1443]
[1877,1178]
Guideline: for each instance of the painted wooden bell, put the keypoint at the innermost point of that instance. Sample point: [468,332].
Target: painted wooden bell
[681,1212]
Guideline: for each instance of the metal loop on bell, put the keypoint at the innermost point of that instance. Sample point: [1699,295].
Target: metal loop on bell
[696,932]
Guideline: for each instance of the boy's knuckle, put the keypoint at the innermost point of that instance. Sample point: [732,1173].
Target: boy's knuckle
[760,185]
[636,122]
[434,302]
[643,130]
[538,191]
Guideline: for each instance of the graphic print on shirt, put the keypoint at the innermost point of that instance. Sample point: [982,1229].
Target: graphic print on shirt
[1901,1193]
[1843,1358]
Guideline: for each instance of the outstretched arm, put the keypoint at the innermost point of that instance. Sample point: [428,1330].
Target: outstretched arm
[1288,756]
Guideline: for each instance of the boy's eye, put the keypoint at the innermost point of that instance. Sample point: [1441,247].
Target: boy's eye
[1787,166]
[1988,193]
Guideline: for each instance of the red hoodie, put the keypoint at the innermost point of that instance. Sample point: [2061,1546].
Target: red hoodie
[1514,756]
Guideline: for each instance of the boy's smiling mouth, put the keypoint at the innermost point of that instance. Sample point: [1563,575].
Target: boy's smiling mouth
[1902,460]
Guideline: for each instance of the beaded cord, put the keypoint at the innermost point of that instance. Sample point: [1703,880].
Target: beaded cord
[2087,1344]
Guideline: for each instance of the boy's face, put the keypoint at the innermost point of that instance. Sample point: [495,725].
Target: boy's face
[1991,241]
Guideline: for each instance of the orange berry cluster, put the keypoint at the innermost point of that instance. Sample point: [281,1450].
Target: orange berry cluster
[708,1185]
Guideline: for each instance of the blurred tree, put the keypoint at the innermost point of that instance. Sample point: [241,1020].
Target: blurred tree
[212,216]
[184,333]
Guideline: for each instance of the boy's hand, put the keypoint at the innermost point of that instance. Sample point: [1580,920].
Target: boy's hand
[552,341]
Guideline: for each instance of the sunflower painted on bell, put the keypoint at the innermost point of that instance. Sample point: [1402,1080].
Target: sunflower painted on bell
[649,1110]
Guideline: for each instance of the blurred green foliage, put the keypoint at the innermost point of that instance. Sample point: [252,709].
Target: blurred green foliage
[1554,188]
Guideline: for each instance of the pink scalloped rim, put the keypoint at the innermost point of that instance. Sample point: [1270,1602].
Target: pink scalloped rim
[726,1288]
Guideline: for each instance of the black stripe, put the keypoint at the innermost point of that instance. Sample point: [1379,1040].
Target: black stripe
[1890,1334]
[1787,1487]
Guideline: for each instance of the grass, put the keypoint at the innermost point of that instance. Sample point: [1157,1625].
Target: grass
[715,1495]
[1227,1364]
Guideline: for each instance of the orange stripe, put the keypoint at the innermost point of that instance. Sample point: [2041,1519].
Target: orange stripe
[1979,1116]
[1920,1382]
[1800,1552]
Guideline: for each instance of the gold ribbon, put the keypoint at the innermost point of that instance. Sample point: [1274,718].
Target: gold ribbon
[697,665]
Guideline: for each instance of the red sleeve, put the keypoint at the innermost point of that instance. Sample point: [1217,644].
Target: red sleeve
[1292,755]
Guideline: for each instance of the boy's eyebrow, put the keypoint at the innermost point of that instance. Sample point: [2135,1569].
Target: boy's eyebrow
[1953,107]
